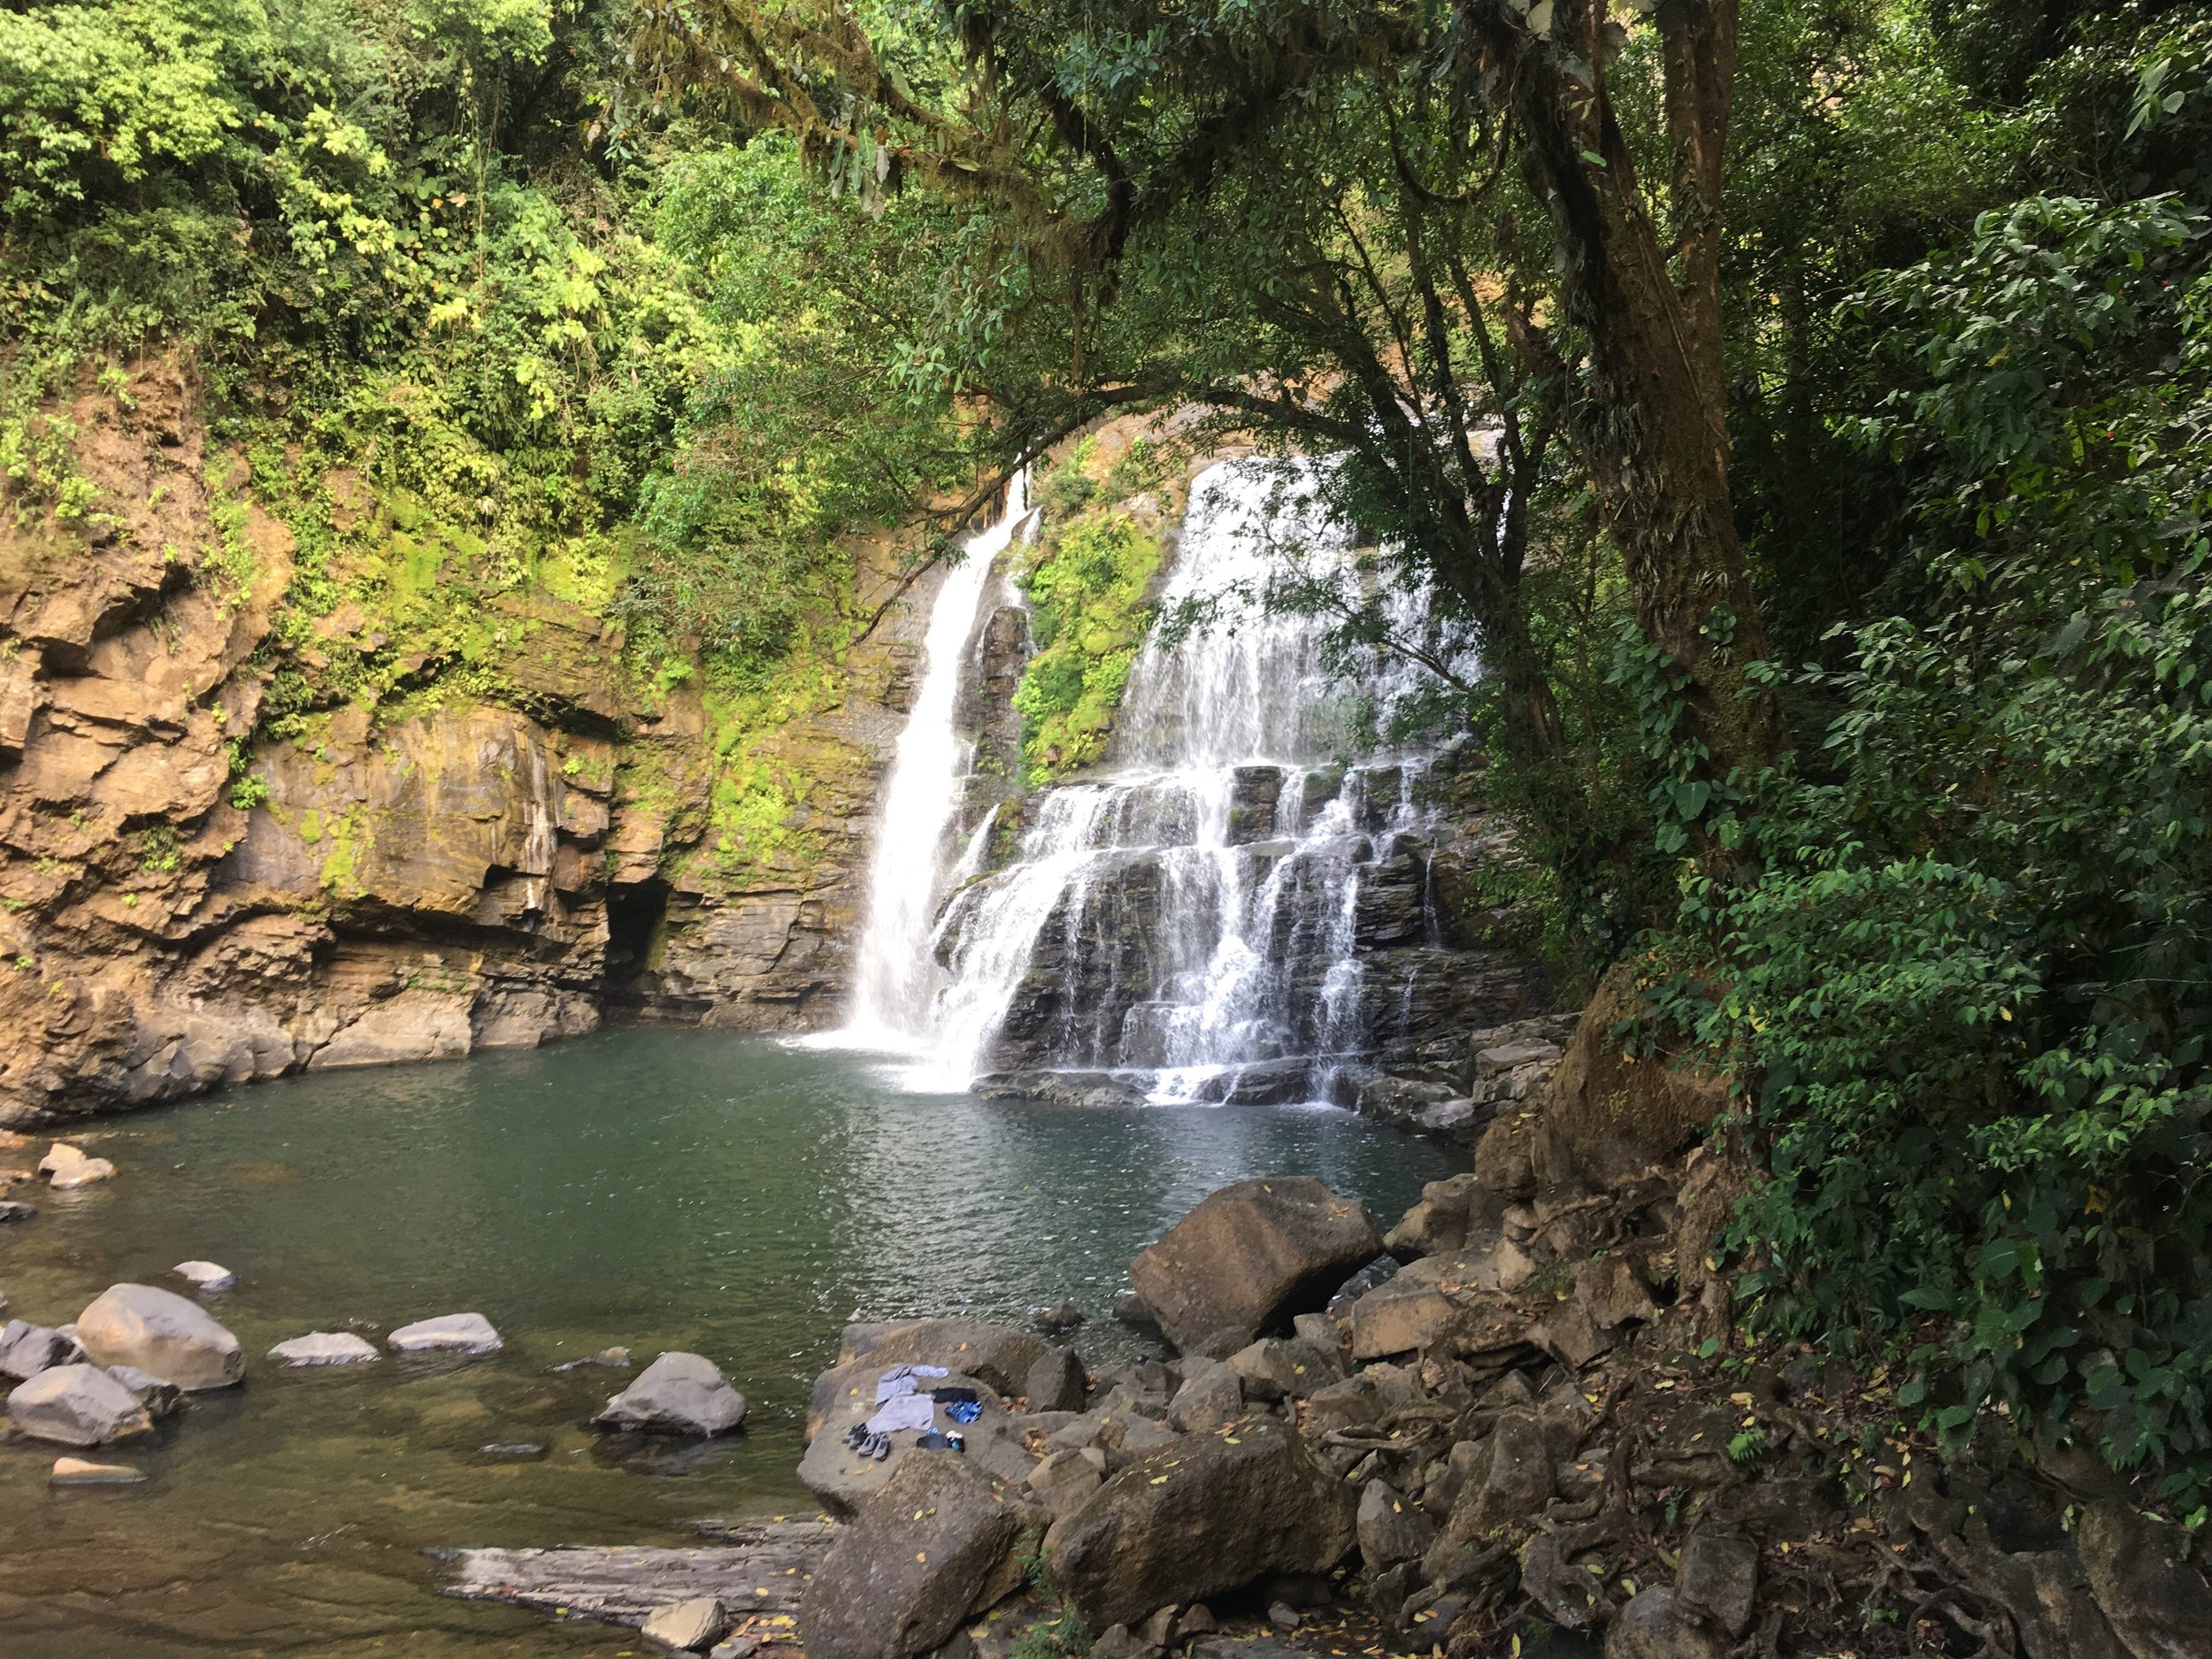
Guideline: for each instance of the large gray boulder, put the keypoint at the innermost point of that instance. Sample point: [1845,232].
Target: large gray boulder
[935,1544]
[1251,1255]
[1203,1517]
[161,1334]
[677,1394]
[77,1405]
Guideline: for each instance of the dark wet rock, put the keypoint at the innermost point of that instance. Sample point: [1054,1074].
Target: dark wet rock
[932,1546]
[1210,1515]
[160,1332]
[1657,1625]
[605,1359]
[1252,1254]
[1254,793]
[677,1394]
[77,1405]
[1262,1083]
[1049,1086]
[1131,1309]
[1056,1317]
[1719,1578]
[15,1210]
[1057,1382]
[1391,1530]
[513,1451]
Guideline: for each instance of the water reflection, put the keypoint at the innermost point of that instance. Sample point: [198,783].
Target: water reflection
[657,1190]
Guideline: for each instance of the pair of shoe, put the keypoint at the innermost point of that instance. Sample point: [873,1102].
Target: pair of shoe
[875,1446]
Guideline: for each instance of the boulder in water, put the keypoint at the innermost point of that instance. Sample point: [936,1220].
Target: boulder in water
[160,1333]
[448,1334]
[159,1396]
[65,1166]
[206,1276]
[77,1405]
[1251,1255]
[688,1625]
[75,1471]
[933,1545]
[326,1347]
[677,1394]
[1210,1515]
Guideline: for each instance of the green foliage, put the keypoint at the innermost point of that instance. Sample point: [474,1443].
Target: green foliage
[1968,975]
[1086,584]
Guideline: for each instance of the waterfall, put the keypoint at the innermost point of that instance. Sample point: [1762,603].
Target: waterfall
[896,981]
[1232,908]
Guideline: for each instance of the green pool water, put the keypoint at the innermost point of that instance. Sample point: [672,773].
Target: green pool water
[726,1195]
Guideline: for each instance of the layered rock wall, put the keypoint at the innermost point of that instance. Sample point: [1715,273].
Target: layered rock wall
[185,904]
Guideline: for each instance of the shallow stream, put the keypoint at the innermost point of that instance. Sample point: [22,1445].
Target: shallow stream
[727,1195]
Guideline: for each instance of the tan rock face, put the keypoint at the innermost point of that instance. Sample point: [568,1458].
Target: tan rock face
[477,875]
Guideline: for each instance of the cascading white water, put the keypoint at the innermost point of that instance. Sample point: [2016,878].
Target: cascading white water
[896,979]
[1197,913]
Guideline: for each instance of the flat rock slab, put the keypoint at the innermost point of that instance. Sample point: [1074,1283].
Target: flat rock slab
[448,1334]
[326,1347]
[758,1571]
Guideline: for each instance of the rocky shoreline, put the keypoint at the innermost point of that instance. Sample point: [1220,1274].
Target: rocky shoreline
[1519,1422]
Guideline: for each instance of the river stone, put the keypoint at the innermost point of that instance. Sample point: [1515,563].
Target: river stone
[327,1347]
[65,1166]
[933,1544]
[26,1349]
[206,1276]
[677,1394]
[687,1626]
[160,1332]
[1207,1516]
[448,1334]
[1252,1254]
[77,1405]
[15,1210]
[75,1471]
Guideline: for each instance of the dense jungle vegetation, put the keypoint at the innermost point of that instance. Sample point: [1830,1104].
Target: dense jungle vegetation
[1804,414]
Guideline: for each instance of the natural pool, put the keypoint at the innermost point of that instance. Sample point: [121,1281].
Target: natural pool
[726,1195]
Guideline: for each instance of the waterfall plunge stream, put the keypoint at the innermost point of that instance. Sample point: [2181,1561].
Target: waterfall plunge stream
[1236,904]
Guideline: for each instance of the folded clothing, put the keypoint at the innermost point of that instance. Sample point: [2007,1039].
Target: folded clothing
[903,1412]
[900,1380]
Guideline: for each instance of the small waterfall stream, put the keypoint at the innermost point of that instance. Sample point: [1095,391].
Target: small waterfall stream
[1233,907]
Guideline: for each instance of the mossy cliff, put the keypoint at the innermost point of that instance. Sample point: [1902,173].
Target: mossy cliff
[299,770]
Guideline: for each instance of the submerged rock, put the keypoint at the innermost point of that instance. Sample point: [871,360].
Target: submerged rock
[15,1210]
[206,1276]
[933,1545]
[677,1394]
[65,1166]
[159,1331]
[77,1405]
[326,1347]
[75,1471]
[1252,1254]
[448,1334]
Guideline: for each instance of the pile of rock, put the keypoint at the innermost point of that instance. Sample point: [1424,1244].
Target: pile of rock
[127,1360]
[1453,1087]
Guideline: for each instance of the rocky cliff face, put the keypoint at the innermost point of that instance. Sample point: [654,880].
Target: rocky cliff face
[188,905]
